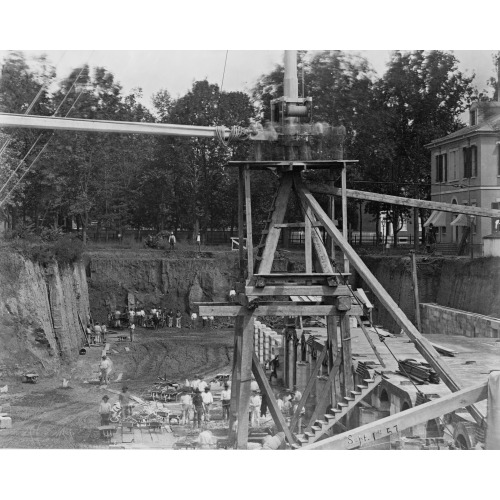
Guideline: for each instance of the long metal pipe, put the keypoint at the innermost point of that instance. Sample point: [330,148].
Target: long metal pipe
[9,120]
[291,82]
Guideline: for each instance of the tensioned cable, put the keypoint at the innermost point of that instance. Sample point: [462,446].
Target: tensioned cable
[32,104]
[40,135]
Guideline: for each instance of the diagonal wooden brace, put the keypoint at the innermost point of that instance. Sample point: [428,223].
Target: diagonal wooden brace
[423,346]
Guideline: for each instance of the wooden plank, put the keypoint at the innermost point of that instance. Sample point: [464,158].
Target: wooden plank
[291,276]
[409,202]
[288,290]
[277,309]
[415,289]
[403,420]
[248,215]
[344,213]
[241,221]
[325,396]
[333,346]
[272,404]
[243,402]
[370,341]
[308,389]
[345,336]
[308,241]
[297,225]
[277,217]
[421,343]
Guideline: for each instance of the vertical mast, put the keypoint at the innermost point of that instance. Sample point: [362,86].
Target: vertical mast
[291,82]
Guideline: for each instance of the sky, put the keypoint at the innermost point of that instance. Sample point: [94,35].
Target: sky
[176,70]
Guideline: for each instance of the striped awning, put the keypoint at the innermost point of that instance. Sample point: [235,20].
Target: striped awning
[437,219]
[460,220]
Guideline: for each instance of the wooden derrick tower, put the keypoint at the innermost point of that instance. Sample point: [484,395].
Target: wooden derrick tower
[259,286]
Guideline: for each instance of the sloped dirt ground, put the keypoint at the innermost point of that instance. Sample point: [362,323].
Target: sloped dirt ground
[46,415]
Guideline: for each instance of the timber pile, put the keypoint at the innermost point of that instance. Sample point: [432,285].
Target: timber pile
[420,373]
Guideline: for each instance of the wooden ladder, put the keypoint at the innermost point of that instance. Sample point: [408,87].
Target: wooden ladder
[344,407]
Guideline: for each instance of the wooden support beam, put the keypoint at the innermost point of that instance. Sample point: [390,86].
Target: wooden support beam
[325,395]
[272,404]
[241,220]
[277,217]
[333,346]
[400,421]
[414,278]
[245,338]
[287,290]
[248,214]
[344,213]
[308,389]
[408,202]
[345,336]
[308,241]
[297,225]
[421,343]
[321,251]
[370,341]
[235,377]
[273,309]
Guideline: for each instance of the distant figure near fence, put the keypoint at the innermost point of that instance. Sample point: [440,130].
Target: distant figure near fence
[172,241]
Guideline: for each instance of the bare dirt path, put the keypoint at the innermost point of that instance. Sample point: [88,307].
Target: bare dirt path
[46,415]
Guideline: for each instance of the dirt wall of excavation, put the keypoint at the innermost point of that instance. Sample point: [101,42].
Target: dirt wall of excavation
[461,283]
[39,308]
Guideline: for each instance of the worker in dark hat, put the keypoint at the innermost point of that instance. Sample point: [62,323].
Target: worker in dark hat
[225,396]
[198,407]
[105,410]
[208,400]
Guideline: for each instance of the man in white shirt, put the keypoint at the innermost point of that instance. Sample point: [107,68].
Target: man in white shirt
[208,399]
[186,402]
[97,332]
[255,403]
[202,384]
[225,396]
[198,242]
[195,384]
[105,367]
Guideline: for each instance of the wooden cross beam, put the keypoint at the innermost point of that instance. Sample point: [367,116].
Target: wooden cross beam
[403,420]
[421,343]
[272,309]
[408,202]
[287,290]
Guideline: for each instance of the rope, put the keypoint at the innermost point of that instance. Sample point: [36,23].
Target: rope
[235,133]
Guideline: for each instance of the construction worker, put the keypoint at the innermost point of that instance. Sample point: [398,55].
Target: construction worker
[226,401]
[132,331]
[255,403]
[198,407]
[178,317]
[172,241]
[202,384]
[297,396]
[187,404]
[105,368]
[105,410]
[198,242]
[208,400]
[124,399]
[97,333]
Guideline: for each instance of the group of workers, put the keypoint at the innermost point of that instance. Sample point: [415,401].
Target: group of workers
[157,317]
[106,409]
[96,334]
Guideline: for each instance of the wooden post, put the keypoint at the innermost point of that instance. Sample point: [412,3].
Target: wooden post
[248,212]
[421,343]
[241,219]
[308,241]
[245,339]
[272,404]
[331,213]
[416,238]
[415,289]
[332,342]
[235,376]
[344,214]
[493,430]
[345,335]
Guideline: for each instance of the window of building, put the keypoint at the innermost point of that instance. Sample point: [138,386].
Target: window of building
[453,165]
[470,162]
[442,168]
